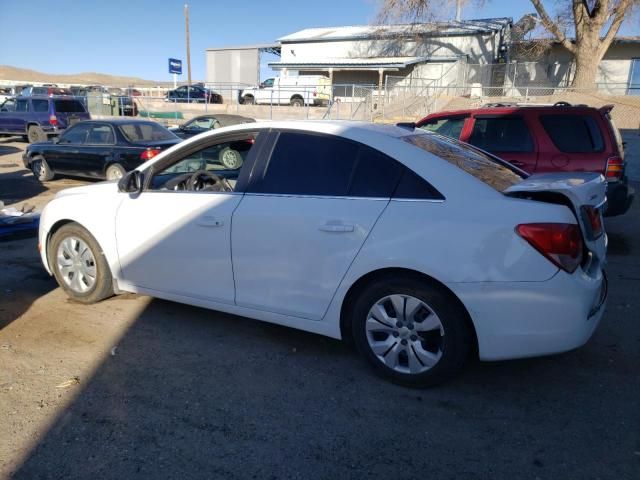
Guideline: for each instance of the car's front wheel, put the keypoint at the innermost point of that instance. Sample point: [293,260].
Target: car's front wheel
[79,265]
[411,331]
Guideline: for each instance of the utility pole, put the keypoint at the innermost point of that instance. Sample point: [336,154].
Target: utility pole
[458,10]
[186,21]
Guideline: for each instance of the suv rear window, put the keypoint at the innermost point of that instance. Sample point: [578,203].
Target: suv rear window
[483,167]
[69,106]
[573,133]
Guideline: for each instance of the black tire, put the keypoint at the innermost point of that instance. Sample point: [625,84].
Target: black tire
[35,134]
[297,102]
[454,346]
[248,100]
[41,169]
[114,171]
[103,286]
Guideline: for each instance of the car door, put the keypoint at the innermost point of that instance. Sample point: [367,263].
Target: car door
[306,214]
[177,242]
[98,150]
[18,120]
[64,157]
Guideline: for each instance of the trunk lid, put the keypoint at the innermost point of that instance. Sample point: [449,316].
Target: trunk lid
[580,192]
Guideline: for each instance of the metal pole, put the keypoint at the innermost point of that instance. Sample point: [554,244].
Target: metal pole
[175,81]
[186,21]
[458,10]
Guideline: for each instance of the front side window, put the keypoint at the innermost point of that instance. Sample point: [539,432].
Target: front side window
[40,105]
[22,106]
[501,134]
[142,132]
[483,167]
[573,133]
[449,127]
[203,169]
[268,82]
[76,135]
[101,135]
[9,105]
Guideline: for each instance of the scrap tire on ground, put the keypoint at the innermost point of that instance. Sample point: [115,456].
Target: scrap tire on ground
[35,134]
[41,169]
[87,257]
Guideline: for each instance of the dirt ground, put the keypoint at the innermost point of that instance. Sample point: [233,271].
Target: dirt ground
[135,387]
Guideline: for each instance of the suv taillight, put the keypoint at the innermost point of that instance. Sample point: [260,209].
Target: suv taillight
[560,243]
[53,120]
[149,153]
[615,169]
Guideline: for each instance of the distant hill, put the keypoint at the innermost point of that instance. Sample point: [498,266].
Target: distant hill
[87,78]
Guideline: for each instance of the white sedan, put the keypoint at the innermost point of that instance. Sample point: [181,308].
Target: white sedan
[421,250]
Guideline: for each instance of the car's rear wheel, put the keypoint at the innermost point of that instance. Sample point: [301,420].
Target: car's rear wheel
[41,169]
[248,100]
[297,102]
[35,134]
[79,265]
[411,331]
[115,172]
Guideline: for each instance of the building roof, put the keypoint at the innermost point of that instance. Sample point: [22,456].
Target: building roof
[358,63]
[258,46]
[364,32]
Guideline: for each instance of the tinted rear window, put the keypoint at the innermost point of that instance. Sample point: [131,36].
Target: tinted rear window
[69,106]
[483,167]
[139,132]
[504,134]
[573,133]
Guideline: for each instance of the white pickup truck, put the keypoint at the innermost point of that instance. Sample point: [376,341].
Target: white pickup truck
[295,91]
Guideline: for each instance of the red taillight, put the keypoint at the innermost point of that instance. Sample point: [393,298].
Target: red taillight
[615,169]
[561,243]
[149,153]
[53,120]
[593,218]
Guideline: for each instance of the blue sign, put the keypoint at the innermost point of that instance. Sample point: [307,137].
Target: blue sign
[175,66]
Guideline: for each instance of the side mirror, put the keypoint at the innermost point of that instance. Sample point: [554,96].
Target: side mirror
[132,182]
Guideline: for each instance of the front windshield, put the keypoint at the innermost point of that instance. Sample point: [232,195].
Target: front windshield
[142,132]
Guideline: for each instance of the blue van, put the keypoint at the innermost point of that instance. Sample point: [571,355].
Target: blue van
[39,117]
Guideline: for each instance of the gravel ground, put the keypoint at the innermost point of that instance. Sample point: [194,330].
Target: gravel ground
[135,387]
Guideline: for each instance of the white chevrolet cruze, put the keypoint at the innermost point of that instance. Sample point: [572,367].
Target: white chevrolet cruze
[420,249]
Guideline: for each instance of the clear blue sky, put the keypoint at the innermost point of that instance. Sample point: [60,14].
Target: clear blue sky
[135,37]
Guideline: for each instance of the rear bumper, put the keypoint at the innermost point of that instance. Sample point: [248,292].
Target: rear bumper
[619,198]
[529,319]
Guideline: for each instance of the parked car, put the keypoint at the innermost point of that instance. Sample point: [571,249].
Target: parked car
[295,91]
[39,117]
[386,235]
[537,139]
[204,123]
[99,149]
[45,90]
[124,106]
[193,94]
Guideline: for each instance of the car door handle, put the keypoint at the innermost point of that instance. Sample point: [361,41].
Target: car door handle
[337,227]
[208,221]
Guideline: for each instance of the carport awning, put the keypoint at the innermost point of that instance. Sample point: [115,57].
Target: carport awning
[374,63]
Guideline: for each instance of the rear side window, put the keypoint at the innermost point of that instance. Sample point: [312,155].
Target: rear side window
[101,135]
[376,174]
[22,106]
[573,133]
[483,167]
[449,127]
[68,106]
[76,135]
[40,105]
[501,134]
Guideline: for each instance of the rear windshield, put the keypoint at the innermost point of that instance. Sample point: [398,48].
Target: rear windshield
[489,170]
[138,132]
[573,133]
[69,106]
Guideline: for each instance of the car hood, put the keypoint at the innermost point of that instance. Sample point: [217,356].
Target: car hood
[107,188]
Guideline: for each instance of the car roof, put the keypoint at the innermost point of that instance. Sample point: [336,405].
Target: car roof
[120,121]
[512,109]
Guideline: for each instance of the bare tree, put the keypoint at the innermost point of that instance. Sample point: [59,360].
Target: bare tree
[594,23]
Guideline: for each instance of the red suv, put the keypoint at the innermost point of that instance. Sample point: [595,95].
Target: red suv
[538,139]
